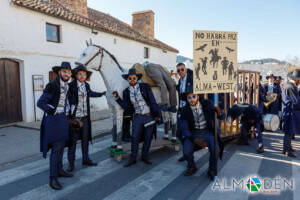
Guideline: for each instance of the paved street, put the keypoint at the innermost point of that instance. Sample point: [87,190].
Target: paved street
[279,175]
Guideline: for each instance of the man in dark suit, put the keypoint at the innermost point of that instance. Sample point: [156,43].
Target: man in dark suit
[80,94]
[185,84]
[261,96]
[197,128]
[55,125]
[273,87]
[138,100]
[290,106]
[251,117]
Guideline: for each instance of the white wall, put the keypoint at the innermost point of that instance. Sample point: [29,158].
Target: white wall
[23,37]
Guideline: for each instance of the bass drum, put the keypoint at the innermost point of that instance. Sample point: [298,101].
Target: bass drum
[271,122]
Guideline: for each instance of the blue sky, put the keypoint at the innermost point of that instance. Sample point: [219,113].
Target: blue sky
[266,28]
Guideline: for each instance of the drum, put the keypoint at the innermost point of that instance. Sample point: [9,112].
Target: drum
[271,122]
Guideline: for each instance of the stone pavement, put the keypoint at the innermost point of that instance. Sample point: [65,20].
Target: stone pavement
[22,140]
[279,175]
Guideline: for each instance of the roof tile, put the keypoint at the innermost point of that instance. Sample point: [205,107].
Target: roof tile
[96,19]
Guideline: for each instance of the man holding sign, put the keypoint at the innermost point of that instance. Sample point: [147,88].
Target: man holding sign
[220,49]
[197,127]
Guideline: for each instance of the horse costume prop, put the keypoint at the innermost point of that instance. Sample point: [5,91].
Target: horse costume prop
[98,58]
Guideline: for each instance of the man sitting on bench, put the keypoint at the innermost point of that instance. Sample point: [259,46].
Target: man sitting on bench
[197,129]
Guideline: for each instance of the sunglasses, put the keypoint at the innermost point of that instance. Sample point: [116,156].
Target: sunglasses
[81,74]
[181,69]
[66,71]
[192,97]
[132,78]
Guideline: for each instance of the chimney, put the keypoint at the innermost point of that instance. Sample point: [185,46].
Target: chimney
[143,22]
[77,6]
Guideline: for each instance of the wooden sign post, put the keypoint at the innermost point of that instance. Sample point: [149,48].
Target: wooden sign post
[215,67]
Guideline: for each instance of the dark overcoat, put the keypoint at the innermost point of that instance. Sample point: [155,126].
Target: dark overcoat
[290,104]
[54,128]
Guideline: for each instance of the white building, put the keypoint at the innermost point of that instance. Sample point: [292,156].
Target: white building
[39,34]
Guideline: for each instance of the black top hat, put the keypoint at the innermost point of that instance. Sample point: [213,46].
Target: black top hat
[132,72]
[295,75]
[81,68]
[64,65]
[270,75]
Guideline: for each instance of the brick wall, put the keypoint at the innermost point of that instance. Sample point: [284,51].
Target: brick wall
[144,23]
[77,6]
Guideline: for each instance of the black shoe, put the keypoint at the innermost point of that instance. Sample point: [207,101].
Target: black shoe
[181,159]
[211,175]
[119,149]
[54,184]
[146,161]
[190,171]
[63,173]
[284,152]
[166,137]
[173,141]
[70,168]
[293,137]
[291,154]
[129,163]
[260,149]
[292,149]
[243,142]
[89,163]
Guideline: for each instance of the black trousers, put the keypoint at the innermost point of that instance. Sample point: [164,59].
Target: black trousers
[84,143]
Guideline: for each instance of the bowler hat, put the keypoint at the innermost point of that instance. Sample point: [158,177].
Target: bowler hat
[64,65]
[132,72]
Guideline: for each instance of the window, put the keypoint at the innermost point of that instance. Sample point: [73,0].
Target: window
[146,52]
[53,33]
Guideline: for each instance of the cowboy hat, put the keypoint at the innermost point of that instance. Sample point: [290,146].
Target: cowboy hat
[64,65]
[270,75]
[132,72]
[81,68]
[295,75]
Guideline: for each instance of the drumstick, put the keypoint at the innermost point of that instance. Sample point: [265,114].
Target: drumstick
[149,123]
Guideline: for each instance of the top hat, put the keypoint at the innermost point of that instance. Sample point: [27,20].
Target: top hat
[81,68]
[295,75]
[64,65]
[132,72]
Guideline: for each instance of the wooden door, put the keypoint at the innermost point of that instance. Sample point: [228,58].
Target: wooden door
[10,92]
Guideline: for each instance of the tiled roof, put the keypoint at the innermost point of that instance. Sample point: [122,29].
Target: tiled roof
[96,20]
